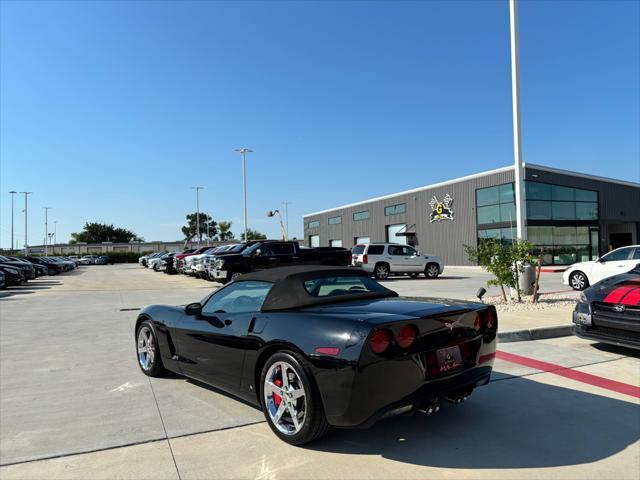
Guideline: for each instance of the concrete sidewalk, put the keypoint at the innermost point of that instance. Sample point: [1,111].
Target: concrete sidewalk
[534,324]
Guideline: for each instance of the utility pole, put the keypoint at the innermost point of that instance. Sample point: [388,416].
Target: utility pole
[521,231]
[13,194]
[208,234]
[197,189]
[46,230]
[26,210]
[55,229]
[286,214]
[243,152]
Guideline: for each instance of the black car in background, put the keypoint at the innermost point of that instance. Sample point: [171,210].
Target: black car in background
[13,276]
[53,268]
[609,311]
[27,269]
[3,281]
[40,269]
[316,347]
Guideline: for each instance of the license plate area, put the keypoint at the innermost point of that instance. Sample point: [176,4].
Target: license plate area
[449,359]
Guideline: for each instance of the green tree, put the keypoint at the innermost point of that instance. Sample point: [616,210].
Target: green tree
[225,232]
[101,232]
[190,230]
[253,235]
[505,262]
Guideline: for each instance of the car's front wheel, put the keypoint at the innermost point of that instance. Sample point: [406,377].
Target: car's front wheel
[432,270]
[290,399]
[578,280]
[148,350]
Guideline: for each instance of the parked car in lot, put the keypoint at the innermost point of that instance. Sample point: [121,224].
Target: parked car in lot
[385,259]
[102,260]
[609,311]
[67,265]
[88,260]
[265,254]
[53,268]
[580,275]
[179,259]
[40,270]
[27,269]
[317,346]
[3,281]
[14,276]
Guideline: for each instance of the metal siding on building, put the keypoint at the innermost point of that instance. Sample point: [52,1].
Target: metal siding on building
[445,238]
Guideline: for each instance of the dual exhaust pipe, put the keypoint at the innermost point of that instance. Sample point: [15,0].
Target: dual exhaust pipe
[434,407]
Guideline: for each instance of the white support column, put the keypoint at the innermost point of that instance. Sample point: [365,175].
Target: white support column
[521,230]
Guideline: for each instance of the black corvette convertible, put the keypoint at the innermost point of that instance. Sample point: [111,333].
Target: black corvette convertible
[609,311]
[316,347]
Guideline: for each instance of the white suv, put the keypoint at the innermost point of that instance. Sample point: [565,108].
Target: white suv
[384,259]
[580,275]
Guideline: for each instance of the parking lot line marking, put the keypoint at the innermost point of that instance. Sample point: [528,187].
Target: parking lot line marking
[570,373]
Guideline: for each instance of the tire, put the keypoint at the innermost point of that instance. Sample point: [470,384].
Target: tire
[149,360]
[314,423]
[381,271]
[432,270]
[578,280]
[232,275]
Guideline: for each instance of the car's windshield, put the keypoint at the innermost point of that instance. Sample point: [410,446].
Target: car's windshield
[252,248]
[342,285]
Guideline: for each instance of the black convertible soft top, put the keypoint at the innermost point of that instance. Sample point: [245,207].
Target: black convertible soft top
[288,290]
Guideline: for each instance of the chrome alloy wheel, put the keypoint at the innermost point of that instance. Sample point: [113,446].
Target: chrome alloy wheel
[382,271]
[285,398]
[146,348]
[578,281]
[235,275]
[433,271]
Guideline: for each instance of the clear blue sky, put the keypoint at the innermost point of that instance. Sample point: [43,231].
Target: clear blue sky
[110,111]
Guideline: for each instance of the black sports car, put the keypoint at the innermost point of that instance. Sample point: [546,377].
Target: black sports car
[316,347]
[609,311]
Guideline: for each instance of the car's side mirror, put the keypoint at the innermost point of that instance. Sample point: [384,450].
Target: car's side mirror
[193,309]
[600,260]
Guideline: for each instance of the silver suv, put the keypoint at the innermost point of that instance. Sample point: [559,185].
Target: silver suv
[384,259]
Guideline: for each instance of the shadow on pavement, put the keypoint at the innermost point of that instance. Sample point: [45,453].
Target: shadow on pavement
[517,423]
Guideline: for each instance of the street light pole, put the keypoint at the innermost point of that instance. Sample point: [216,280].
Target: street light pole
[13,194]
[286,214]
[26,238]
[243,152]
[46,230]
[521,231]
[197,189]
[55,230]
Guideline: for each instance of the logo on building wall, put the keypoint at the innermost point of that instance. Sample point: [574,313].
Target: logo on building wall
[441,210]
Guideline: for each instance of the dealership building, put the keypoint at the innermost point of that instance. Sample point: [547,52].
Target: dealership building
[572,216]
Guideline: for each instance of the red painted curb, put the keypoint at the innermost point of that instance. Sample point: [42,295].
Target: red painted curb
[570,373]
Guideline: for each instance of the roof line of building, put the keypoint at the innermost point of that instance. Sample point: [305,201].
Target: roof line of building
[582,175]
[476,175]
[413,190]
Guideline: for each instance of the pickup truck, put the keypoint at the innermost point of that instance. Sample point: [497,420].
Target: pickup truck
[274,253]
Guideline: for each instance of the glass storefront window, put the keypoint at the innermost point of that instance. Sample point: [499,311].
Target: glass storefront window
[538,191]
[562,193]
[508,212]
[487,196]
[314,224]
[540,235]
[335,220]
[586,195]
[495,204]
[564,245]
[564,235]
[357,216]
[537,210]
[563,210]
[490,214]
[506,193]
[586,211]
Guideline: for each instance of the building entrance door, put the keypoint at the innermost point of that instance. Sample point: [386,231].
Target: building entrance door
[594,242]
[618,240]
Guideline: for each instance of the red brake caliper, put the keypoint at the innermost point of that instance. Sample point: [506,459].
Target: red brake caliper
[276,397]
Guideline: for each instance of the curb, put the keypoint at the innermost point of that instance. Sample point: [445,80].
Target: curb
[541,333]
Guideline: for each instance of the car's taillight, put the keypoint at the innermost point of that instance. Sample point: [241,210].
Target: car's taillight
[407,336]
[380,341]
[365,259]
[477,324]
[491,319]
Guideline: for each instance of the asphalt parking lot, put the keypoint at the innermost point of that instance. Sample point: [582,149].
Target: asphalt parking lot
[73,403]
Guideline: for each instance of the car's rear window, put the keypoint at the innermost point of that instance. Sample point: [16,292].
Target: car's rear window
[358,250]
[346,285]
[376,249]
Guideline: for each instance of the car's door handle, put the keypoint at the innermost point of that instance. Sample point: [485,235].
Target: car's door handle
[228,322]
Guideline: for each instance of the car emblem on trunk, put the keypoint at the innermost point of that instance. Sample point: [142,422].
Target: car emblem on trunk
[619,308]
[449,325]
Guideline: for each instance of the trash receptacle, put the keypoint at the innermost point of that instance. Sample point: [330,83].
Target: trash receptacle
[527,279]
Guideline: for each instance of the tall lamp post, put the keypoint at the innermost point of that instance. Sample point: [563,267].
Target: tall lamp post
[46,230]
[26,210]
[521,231]
[197,189]
[13,194]
[55,231]
[286,214]
[243,152]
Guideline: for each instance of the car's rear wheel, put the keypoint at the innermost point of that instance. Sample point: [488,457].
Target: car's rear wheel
[381,271]
[578,280]
[432,270]
[290,399]
[148,350]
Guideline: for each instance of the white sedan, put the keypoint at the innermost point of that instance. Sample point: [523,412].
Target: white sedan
[621,260]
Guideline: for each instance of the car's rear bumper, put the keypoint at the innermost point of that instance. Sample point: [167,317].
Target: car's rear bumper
[357,398]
